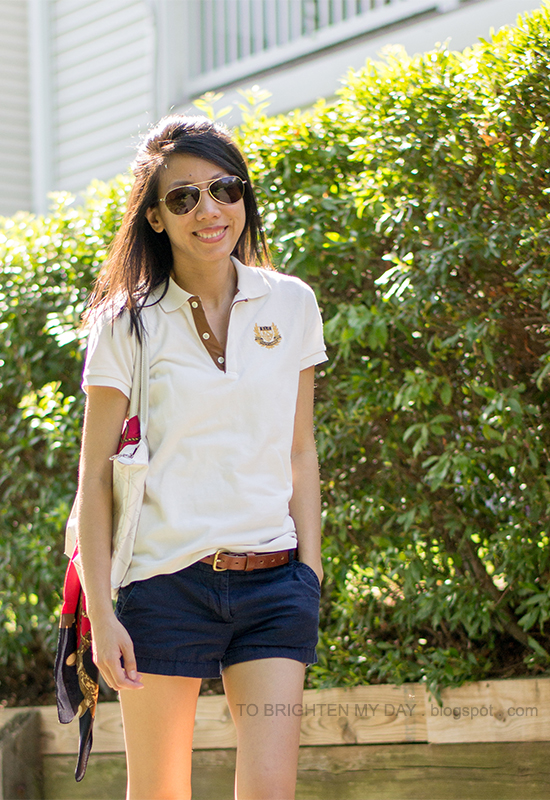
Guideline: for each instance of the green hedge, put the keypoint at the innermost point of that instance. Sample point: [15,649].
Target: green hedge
[48,267]
[418,206]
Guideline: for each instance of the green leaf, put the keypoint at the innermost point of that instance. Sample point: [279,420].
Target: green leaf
[539,650]
[446,394]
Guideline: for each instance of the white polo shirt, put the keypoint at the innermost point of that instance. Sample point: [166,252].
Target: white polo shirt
[220,423]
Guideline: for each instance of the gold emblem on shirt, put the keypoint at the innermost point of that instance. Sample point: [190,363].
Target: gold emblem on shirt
[267,335]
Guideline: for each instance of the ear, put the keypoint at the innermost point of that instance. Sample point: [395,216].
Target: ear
[155,221]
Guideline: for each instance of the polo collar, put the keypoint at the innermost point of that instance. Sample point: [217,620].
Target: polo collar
[251,283]
[174,298]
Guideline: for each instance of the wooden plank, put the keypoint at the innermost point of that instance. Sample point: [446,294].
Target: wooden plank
[533,757]
[7,714]
[496,771]
[364,715]
[367,772]
[20,767]
[358,715]
[214,726]
[108,735]
[491,711]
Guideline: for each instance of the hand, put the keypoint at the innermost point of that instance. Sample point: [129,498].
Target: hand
[111,642]
[316,565]
[318,570]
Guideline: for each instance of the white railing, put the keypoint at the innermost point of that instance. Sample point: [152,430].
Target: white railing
[234,39]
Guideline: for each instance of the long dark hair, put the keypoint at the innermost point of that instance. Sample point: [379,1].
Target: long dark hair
[139,259]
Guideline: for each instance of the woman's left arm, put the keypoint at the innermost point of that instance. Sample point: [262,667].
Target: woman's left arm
[305,503]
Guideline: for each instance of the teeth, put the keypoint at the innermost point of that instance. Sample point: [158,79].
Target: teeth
[209,235]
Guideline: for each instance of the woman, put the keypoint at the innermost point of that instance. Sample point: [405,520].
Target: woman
[233,468]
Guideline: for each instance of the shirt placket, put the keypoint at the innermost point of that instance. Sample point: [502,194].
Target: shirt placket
[206,334]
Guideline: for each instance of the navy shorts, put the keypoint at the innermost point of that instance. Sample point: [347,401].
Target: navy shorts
[196,622]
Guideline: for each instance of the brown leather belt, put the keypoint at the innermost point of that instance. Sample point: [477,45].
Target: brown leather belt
[221,561]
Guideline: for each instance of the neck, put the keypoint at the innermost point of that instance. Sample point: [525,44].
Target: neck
[214,285]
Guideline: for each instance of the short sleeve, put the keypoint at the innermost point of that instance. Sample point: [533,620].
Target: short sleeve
[110,354]
[313,345]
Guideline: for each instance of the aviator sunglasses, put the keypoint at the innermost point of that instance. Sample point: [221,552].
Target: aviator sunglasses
[183,199]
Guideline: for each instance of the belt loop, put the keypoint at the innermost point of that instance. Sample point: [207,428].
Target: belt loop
[248,566]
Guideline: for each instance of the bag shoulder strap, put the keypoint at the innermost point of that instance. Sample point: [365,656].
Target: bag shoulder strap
[139,395]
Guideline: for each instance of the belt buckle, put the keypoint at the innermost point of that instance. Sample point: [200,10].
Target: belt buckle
[215,562]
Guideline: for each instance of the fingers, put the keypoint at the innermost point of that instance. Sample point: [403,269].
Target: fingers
[117,677]
[115,659]
[130,667]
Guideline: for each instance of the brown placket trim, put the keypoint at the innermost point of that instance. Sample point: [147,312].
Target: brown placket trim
[206,335]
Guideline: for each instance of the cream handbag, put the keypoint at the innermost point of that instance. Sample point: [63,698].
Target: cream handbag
[130,466]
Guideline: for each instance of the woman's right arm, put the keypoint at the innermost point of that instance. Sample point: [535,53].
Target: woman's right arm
[106,410]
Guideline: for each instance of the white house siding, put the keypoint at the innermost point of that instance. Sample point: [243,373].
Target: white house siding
[15,151]
[300,83]
[102,56]
[94,74]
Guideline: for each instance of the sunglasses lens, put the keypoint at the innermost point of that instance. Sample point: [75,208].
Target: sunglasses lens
[182,200]
[227,190]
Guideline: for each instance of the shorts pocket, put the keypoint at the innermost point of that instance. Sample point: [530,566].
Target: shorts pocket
[124,595]
[309,574]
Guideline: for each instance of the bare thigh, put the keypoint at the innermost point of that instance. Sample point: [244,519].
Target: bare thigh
[264,697]
[158,731]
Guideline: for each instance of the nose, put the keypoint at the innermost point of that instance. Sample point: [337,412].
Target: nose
[207,206]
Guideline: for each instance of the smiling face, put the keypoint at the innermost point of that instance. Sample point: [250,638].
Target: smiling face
[207,235]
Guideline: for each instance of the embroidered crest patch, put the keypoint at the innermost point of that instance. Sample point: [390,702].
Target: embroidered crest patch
[267,335]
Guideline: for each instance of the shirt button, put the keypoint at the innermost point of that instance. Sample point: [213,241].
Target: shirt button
[206,336]
[195,304]
[221,360]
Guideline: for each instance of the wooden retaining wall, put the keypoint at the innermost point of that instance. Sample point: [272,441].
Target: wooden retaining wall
[487,711]
[20,762]
[380,720]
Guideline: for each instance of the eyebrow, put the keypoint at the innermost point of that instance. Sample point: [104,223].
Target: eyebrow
[177,184]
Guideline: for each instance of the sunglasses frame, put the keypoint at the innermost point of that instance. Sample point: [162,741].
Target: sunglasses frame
[206,189]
